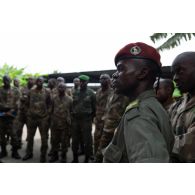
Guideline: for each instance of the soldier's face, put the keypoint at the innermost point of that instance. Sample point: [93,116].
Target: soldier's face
[83,84]
[124,80]
[6,81]
[39,82]
[162,93]
[184,72]
[61,89]
[31,81]
[104,81]
[16,83]
[76,82]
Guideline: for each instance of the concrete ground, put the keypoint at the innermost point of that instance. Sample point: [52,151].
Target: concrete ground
[36,154]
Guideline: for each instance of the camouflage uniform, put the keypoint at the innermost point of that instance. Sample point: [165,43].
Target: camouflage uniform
[144,133]
[53,93]
[83,114]
[101,101]
[60,124]
[114,110]
[182,115]
[8,102]
[39,101]
[21,118]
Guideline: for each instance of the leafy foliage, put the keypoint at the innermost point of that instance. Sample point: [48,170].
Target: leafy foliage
[172,42]
[14,72]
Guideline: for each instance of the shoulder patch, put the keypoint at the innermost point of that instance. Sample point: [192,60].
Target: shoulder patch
[133,104]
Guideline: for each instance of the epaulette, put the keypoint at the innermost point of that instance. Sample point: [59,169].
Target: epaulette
[133,104]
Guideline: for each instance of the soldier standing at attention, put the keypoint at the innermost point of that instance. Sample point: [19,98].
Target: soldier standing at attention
[52,83]
[8,111]
[83,114]
[21,118]
[60,123]
[39,102]
[76,87]
[144,133]
[16,89]
[164,92]
[183,111]
[102,97]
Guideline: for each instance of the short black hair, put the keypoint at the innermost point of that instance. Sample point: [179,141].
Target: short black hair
[168,83]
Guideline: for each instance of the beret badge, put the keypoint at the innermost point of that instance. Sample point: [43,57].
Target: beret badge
[135,50]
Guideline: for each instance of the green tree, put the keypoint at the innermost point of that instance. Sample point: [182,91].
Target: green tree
[14,72]
[172,39]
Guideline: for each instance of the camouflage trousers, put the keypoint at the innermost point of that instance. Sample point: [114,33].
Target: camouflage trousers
[32,125]
[82,126]
[19,122]
[59,137]
[6,126]
[99,125]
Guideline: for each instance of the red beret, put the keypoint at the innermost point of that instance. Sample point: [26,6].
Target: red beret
[138,51]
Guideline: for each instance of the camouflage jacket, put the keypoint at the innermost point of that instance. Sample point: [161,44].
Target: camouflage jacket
[61,109]
[84,103]
[115,108]
[39,103]
[101,102]
[54,92]
[8,99]
[144,133]
[182,115]
[23,104]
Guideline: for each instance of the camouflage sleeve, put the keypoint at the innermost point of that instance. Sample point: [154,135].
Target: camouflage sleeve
[48,101]
[115,112]
[112,118]
[16,100]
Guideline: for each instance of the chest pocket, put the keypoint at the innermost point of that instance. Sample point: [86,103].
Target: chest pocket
[113,154]
[87,101]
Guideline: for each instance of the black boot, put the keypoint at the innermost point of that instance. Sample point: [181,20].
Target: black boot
[27,156]
[3,152]
[86,159]
[63,158]
[75,158]
[54,158]
[15,154]
[42,158]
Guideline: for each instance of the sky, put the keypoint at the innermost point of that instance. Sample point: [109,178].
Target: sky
[73,36]
[45,52]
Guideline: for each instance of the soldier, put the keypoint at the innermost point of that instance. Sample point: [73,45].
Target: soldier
[21,118]
[39,102]
[16,83]
[60,123]
[144,133]
[61,80]
[182,112]
[102,97]
[76,87]
[164,92]
[52,83]
[8,111]
[115,108]
[83,114]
